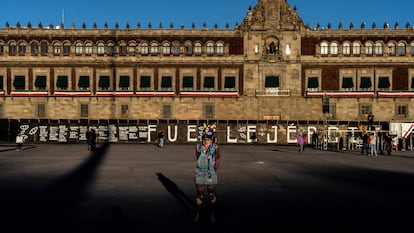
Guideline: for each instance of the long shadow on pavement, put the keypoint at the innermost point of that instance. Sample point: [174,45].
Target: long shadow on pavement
[53,209]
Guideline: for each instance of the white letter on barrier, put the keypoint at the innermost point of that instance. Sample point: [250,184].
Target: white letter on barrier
[310,133]
[250,129]
[230,140]
[191,129]
[290,130]
[151,128]
[336,130]
[275,138]
[175,133]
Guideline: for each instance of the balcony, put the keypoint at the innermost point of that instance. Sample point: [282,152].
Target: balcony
[340,93]
[63,93]
[272,92]
[391,94]
[27,93]
[395,94]
[209,94]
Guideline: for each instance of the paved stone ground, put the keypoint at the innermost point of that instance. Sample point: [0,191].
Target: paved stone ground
[143,188]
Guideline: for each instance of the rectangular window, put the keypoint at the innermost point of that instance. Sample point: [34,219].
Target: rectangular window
[84,110]
[272,82]
[208,111]
[62,82]
[401,110]
[166,83]
[208,82]
[365,109]
[40,82]
[83,83]
[313,84]
[383,83]
[145,82]
[365,83]
[103,82]
[124,82]
[347,83]
[124,110]
[229,82]
[166,111]
[41,110]
[1,83]
[19,82]
[188,83]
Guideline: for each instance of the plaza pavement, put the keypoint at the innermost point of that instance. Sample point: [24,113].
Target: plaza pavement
[61,188]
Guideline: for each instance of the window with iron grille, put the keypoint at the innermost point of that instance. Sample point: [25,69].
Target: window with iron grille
[41,110]
[84,110]
[124,110]
[401,110]
[365,109]
[166,111]
[208,111]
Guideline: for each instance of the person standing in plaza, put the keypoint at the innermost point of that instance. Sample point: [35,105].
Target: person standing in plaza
[387,143]
[161,138]
[91,137]
[373,144]
[370,121]
[315,140]
[207,163]
[19,141]
[301,143]
[365,144]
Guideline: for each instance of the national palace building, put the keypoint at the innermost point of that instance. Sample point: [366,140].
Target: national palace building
[263,75]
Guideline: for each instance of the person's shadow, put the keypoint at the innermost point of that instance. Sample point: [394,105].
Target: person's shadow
[186,202]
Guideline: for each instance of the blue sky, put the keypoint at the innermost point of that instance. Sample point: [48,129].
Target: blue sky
[199,12]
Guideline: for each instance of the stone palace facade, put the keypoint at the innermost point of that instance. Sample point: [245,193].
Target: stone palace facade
[270,69]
